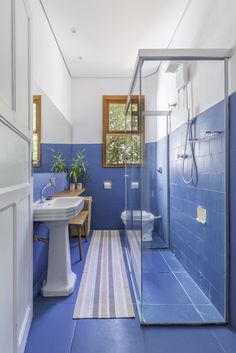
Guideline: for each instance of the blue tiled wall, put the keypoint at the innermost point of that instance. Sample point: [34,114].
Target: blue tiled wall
[200,248]
[41,179]
[233,209]
[107,204]
[155,183]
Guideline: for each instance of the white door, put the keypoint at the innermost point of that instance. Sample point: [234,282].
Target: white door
[15,176]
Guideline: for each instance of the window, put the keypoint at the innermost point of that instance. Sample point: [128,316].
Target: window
[121,137]
[36,130]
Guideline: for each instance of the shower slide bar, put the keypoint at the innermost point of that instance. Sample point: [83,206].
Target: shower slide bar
[207,136]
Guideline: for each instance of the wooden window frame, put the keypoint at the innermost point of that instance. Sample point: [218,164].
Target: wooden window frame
[106,128]
[37,102]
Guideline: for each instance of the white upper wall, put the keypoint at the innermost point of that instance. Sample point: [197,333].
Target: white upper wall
[49,70]
[149,89]
[55,128]
[87,113]
[206,24]
[205,88]
[209,24]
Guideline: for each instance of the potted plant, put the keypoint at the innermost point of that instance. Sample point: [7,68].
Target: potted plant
[78,170]
[58,163]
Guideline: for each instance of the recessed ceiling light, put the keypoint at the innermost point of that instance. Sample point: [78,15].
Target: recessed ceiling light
[79,57]
[73,30]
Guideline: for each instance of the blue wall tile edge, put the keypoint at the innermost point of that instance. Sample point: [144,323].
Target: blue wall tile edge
[191,241]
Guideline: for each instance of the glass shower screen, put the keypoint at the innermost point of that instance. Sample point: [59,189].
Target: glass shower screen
[176,188]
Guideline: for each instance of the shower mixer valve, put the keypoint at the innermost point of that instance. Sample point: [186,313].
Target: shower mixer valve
[182,155]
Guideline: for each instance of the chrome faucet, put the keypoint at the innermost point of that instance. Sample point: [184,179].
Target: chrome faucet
[51,183]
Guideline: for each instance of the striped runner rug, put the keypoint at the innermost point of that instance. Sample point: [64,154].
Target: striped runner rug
[104,289]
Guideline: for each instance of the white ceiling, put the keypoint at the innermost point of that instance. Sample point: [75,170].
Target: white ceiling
[109,33]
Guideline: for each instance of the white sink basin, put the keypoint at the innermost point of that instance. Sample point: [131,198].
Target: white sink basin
[56,214]
[58,209]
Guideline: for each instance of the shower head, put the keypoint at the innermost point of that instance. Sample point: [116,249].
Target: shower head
[174,66]
[180,69]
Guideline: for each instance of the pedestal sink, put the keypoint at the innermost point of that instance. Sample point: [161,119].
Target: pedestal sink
[55,214]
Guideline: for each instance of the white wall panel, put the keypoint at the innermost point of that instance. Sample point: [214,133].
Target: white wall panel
[14,156]
[7,279]
[6,57]
[24,259]
[15,180]
[22,67]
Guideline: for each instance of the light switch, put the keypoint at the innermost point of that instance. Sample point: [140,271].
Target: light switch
[107,184]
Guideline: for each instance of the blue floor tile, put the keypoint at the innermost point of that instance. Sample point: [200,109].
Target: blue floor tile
[52,329]
[152,261]
[164,314]
[106,336]
[195,293]
[181,340]
[163,288]
[210,313]
[226,337]
[172,261]
[170,295]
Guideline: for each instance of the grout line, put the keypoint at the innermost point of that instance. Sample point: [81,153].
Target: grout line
[72,339]
[183,289]
[218,341]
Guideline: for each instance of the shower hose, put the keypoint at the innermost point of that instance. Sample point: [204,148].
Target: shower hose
[189,138]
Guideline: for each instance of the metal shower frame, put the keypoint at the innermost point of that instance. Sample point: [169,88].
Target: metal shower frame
[193,55]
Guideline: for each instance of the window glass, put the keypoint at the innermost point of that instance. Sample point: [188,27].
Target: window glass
[121,135]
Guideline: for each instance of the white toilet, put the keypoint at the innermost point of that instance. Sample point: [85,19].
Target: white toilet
[147,222]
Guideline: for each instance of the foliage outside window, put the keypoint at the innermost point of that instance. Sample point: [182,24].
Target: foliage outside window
[36,130]
[122,139]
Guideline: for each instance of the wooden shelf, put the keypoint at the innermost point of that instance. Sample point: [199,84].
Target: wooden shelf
[76,192]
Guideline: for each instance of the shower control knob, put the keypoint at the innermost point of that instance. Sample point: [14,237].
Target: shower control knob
[182,155]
